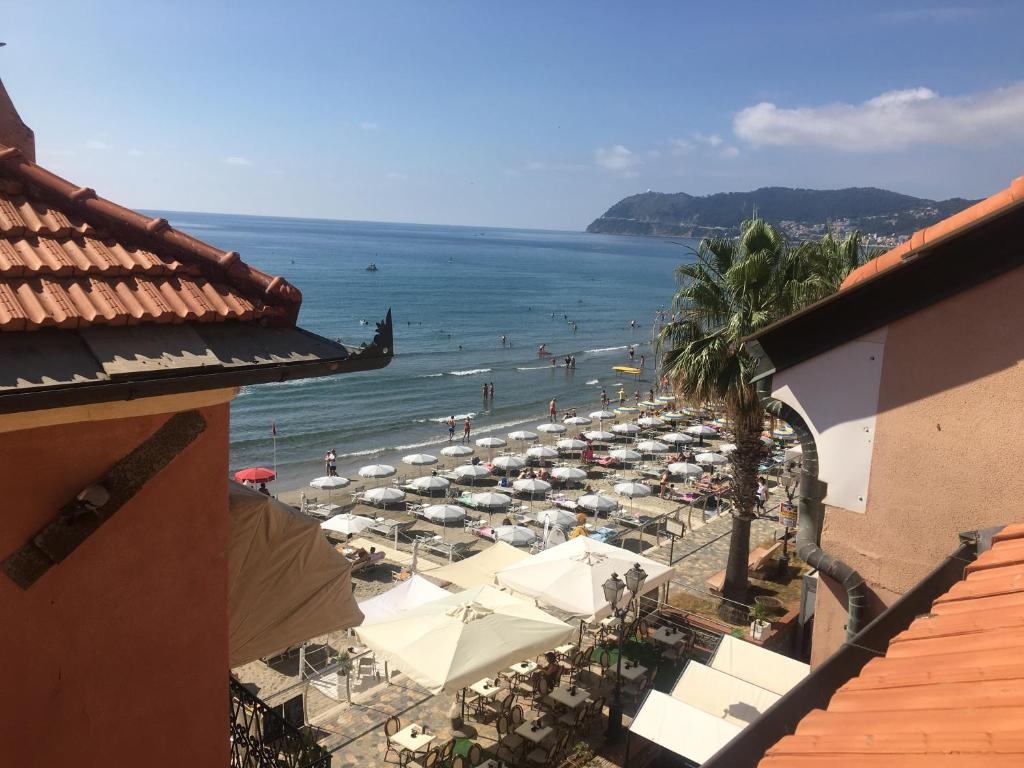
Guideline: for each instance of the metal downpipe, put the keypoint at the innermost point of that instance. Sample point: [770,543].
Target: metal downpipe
[811,514]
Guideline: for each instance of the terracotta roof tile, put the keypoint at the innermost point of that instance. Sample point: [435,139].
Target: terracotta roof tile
[949,690]
[70,259]
[996,205]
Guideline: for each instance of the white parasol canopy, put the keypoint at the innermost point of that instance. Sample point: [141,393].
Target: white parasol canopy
[633,490]
[480,568]
[595,502]
[570,444]
[571,576]
[419,459]
[491,500]
[412,593]
[602,415]
[652,446]
[685,469]
[444,513]
[532,486]
[556,516]
[384,495]
[674,416]
[701,430]
[676,438]
[650,421]
[726,447]
[346,524]
[491,442]
[577,421]
[377,471]
[665,398]
[430,483]
[624,454]
[599,435]
[551,428]
[625,428]
[522,436]
[516,535]
[568,473]
[329,483]
[509,462]
[472,472]
[710,458]
[457,450]
[542,452]
[450,643]
[627,409]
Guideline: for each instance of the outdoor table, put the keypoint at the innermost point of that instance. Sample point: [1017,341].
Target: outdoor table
[565,650]
[523,668]
[486,688]
[410,743]
[535,737]
[610,622]
[662,636]
[563,696]
[632,671]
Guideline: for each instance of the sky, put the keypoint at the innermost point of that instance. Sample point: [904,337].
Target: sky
[520,114]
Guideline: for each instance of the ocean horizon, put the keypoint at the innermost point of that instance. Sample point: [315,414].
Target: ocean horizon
[454,291]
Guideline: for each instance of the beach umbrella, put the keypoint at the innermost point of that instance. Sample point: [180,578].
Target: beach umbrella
[377,471]
[625,410]
[522,436]
[444,513]
[556,516]
[430,483]
[551,428]
[633,490]
[570,444]
[471,472]
[784,433]
[255,475]
[624,454]
[329,483]
[489,502]
[701,430]
[596,502]
[625,428]
[508,462]
[665,398]
[676,438]
[726,447]
[651,446]
[599,435]
[491,442]
[384,496]
[674,416]
[568,473]
[602,415]
[457,450]
[684,469]
[577,421]
[411,593]
[649,404]
[542,452]
[450,643]
[347,524]
[419,459]
[516,535]
[711,458]
[650,421]
[532,486]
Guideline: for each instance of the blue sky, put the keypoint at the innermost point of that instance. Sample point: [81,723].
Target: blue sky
[533,114]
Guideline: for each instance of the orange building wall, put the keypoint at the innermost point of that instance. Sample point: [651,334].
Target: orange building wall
[118,655]
[948,446]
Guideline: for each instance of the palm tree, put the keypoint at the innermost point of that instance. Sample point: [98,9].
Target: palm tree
[733,289]
[818,267]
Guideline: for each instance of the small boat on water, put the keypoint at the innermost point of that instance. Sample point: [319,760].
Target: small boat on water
[372,267]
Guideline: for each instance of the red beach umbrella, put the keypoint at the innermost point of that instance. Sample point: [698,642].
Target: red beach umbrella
[255,475]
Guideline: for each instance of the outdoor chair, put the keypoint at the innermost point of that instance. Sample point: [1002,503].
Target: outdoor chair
[595,714]
[542,756]
[446,751]
[459,762]
[429,760]
[475,755]
[392,726]
[571,721]
[634,691]
[509,744]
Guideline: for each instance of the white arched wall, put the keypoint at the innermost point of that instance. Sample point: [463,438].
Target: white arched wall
[837,394]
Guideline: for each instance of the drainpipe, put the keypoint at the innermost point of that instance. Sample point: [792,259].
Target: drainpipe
[812,514]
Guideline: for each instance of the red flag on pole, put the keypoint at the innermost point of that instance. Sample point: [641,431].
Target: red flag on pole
[273,428]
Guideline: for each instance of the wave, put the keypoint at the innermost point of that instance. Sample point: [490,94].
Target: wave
[592,382]
[470,372]
[458,417]
[429,375]
[603,349]
[534,368]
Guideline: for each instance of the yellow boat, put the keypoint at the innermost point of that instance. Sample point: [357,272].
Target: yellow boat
[626,369]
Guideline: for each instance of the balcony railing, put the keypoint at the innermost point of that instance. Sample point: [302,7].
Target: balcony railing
[262,738]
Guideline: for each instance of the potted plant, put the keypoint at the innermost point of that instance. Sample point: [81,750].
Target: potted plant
[760,625]
[580,755]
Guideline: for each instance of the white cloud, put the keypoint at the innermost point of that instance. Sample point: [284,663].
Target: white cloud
[617,158]
[95,144]
[369,125]
[236,160]
[680,146]
[729,151]
[134,152]
[891,121]
[712,140]
[536,165]
[512,172]
[396,176]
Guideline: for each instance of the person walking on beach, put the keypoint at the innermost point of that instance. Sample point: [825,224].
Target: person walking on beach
[467,427]
[552,410]
[604,398]
[622,396]
[642,358]
[451,429]
[762,494]
[332,463]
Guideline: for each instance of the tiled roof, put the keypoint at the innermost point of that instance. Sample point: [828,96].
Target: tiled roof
[70,259]
[999,203]
[949,690]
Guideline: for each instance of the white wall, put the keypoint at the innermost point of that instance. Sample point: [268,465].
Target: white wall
[837,394]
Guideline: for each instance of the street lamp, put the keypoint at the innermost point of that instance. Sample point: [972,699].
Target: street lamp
[613,589]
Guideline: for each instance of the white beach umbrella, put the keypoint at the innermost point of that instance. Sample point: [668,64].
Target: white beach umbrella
[346,524]
[384,495]
[650,421]
[626,428]
[516,535]
[596,502]
[676,438]
[412,593]
[568,473]
[651,446]
[599,434]
[726,447]
[625,410]
[665,398]
[491,500]
[450,643]
[444,513]
[472,472]
[633,490]
[491,442]
[329,483]
[624,454]
[542,452]
[577,421]
[685,469]
[701,430]
[457,450]
[419,459]
[551,428]
[570,444]
[377,471]
[508,462]
[649,404]
[602,415]
[532,486]
[556,516]
[710,458]
[571,576]
[522,436]
[674,416]
[430,483]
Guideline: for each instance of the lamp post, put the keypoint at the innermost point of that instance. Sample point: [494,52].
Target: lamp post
[613,589]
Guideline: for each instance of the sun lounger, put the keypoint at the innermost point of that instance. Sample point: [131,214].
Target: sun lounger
[375,558]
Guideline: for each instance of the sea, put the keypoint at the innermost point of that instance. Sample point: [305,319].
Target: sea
[454,292]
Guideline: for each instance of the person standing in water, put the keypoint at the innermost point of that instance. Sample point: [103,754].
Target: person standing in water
[552,410]
[451,429]
[467,427]
[491,392]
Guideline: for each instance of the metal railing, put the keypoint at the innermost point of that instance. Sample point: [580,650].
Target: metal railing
[262,738]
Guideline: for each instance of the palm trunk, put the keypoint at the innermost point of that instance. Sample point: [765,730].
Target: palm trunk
[747,424]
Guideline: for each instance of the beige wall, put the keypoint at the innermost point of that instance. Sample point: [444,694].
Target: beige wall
[948,446]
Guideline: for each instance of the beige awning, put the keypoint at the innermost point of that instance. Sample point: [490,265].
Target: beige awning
[479,569]
[286,583]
